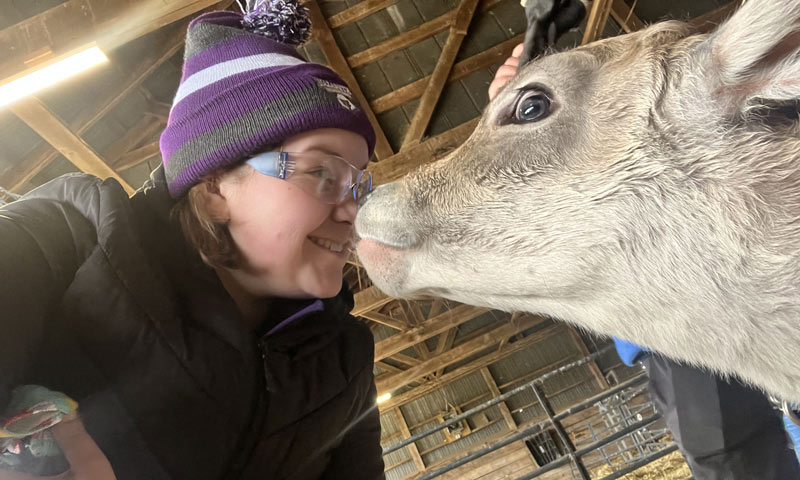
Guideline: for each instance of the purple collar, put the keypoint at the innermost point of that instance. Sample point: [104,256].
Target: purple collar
[316,306]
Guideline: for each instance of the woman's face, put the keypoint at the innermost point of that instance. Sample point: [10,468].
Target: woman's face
[292,245]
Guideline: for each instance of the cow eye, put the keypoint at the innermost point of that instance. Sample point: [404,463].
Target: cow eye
[532,106]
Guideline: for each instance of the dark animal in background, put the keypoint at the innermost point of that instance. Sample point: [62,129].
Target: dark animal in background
[547,21]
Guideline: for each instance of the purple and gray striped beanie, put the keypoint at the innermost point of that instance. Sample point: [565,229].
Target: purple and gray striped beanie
[245,89]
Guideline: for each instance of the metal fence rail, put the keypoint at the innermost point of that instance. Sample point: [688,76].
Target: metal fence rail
[573,455]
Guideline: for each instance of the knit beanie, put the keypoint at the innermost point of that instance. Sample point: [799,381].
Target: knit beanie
[245,89]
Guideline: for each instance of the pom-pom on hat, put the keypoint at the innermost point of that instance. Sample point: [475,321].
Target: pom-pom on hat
[245,89]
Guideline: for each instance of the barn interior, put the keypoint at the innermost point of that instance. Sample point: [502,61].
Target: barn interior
[463,392]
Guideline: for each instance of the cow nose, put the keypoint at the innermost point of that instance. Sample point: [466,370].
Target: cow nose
[385,217]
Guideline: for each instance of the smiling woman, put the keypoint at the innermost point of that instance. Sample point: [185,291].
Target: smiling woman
[206,314]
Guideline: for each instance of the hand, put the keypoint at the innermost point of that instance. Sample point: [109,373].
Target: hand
[85,458]
[507,70]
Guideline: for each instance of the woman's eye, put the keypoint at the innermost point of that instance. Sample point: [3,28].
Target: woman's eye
[532,107]
[322,173]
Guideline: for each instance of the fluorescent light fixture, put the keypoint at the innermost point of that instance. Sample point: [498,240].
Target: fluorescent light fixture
[51,73]
[384,397]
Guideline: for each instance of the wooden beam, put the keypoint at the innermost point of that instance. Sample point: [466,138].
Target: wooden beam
[466,349]
[33,112]
[359,11]
[401,163]
[444,343]
[385,320]
[624,16]
[43,154]
[41,39]
[368,7]
[138,156]
[143,131]
[504,411]
[412,447]
[430,328]
[422,116]
[337,62]
[583,350]
[598,16]
[405,39]
[388,367]
[464,370]
[480,61]
[410,361]
[369,299]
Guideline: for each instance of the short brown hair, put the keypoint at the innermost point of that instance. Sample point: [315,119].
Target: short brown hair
[212,239]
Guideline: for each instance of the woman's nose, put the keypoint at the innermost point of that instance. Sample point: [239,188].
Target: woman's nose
[346,209]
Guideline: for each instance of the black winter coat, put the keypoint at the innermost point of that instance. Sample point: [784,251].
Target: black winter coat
[102,299]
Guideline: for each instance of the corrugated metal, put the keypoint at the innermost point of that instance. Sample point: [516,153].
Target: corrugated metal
[456,393]
[556,348]
[382,332]
[401,471]
[464,443]
[488,318]
[388,424]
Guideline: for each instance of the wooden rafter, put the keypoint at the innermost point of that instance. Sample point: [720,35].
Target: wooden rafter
[422,116]
[412,447]
[504,411]
[423,153]
[583,350]
[144,129]
[138,156]
[388,367]
[465,350]
[369,299]
[33,112]
[40,39]
[624,16]
[384,320]
[405,39]
[337,62]
[430,328]
[473,366]
[410,361]
[444,343]
[598,16]
[359,11]
[43,154]
[368,7]
[479,61]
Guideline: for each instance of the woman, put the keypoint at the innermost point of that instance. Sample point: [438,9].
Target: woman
[201,324]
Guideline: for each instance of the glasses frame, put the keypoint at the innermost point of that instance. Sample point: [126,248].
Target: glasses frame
[279,164]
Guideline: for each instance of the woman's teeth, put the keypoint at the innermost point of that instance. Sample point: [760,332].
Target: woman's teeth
[330,245]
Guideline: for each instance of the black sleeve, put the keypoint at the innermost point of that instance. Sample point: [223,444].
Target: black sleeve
[42,244]
[360,456]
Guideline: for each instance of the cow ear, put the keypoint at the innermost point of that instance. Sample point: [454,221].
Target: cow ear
[753,59]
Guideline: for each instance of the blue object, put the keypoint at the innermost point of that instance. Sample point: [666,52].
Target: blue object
[794,432]
[630,353]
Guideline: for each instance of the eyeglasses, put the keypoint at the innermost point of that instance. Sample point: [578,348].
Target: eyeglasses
[327,177]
